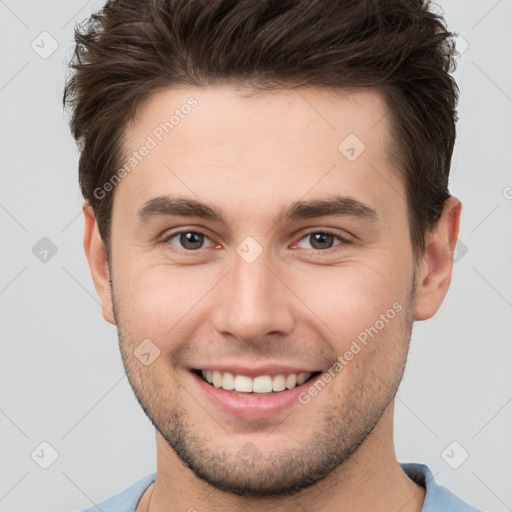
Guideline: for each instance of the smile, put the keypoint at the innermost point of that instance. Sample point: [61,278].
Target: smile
[265,393]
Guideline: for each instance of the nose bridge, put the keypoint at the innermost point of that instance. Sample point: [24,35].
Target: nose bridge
[253,301]
[252,281]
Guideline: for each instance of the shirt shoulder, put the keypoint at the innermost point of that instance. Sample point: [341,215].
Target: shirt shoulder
[437,497]
[127,500]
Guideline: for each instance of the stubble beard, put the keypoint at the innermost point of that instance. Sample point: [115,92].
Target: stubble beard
[343,426]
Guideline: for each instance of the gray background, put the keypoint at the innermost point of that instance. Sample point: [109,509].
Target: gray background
[61,377]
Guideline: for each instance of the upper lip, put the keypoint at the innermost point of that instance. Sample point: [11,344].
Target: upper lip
[269,369]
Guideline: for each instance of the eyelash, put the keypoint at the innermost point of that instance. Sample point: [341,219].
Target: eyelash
[337,247]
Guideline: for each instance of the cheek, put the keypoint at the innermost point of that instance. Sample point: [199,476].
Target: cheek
[354,299]
[158,300]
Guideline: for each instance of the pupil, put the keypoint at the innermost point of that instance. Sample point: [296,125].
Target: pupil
[321,238]
[191,240]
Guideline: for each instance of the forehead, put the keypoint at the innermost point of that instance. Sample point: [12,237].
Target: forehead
[304,114]
[220,142]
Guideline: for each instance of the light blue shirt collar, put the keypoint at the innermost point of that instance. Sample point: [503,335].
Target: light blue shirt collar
[437,497]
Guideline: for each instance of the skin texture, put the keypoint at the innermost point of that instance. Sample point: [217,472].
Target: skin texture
[252,157]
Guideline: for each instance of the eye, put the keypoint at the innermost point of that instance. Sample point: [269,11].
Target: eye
[189,240]
[322,240]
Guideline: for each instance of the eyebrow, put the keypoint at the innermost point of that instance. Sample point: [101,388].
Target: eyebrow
[333,206]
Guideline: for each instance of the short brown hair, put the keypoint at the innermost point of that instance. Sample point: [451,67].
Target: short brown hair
[132,48]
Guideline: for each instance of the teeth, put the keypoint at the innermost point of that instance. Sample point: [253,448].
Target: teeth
[260,384]
[278,383]
[243,383]
[228,381]
[291,381]
[302,377]
[217,379]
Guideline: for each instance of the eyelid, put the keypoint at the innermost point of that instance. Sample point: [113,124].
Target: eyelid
[171,234]
[345,240]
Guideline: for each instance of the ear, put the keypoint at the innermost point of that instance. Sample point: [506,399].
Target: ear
[434,271]
[98,265]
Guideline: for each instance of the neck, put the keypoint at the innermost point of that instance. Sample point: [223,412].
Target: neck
[371,479]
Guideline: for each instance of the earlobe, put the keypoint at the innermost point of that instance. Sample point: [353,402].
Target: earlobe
[98,265]
[434,271]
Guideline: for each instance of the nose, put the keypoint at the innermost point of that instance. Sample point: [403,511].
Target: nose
[254,302]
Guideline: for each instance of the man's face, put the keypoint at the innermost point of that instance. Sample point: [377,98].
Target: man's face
[259,292]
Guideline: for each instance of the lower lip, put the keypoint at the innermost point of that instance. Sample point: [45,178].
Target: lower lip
[252,406]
